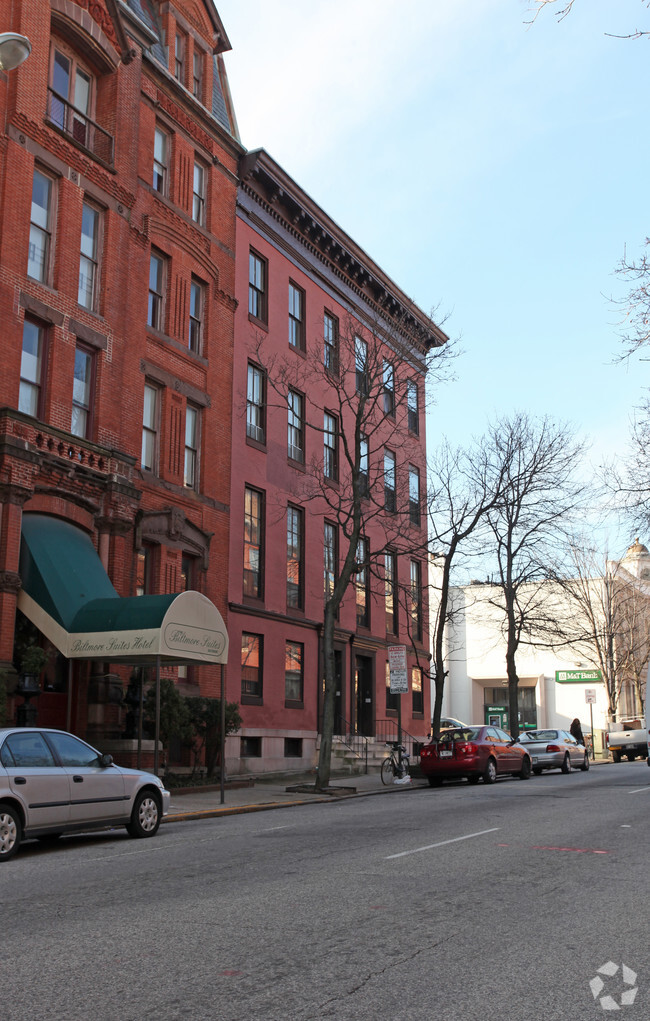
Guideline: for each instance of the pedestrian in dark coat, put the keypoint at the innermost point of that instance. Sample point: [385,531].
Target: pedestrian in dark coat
[576,731]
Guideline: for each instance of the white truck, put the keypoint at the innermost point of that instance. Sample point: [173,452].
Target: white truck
[629,738]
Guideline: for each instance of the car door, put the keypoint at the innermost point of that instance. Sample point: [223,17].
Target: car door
[576,751]
[496,747]
[510,753]
[96,791]
[36,779]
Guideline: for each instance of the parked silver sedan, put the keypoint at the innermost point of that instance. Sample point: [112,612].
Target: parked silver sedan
[52,783]
[554,749]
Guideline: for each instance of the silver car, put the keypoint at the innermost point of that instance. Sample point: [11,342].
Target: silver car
[52,783]
[554,749]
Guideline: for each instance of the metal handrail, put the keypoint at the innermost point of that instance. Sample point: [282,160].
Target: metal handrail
[386,730]
[357,743]
[79,128]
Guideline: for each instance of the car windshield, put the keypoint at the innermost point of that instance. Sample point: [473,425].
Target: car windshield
[541,735]
[466,734]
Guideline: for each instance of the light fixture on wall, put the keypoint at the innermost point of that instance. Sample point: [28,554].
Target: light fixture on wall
[14,49]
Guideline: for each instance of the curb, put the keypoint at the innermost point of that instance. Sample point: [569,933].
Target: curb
[211,813]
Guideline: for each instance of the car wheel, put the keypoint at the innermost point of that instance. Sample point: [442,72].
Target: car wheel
[616,756]
[524,772]
[434,781]
[566,765]
[537,771]
[585,764]
[474,778]
[10,832]
[490,774]
[145,817]
[630,757]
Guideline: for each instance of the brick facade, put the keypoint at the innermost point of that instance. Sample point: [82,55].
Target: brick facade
[75,266]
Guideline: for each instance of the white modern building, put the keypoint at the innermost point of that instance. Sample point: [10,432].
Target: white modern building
[555,685]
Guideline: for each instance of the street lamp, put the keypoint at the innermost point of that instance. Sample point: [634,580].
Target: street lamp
[14,49]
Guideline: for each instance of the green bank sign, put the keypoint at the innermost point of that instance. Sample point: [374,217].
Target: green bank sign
[578,676]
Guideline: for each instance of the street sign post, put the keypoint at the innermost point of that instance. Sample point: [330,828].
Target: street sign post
[399,682]
[590,699]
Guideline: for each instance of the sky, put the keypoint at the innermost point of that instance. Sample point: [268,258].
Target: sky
[496,170]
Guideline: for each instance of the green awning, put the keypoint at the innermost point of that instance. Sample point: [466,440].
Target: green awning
[67,594]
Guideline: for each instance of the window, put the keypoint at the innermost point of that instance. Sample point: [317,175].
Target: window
[330,559]
[88,261]
[180,47]
[40,228]
[330,447]
[197,306]
[413,407]
[389,389]
[361,365]
[390,502]
[190,472]
[390,591]
[257,276]
[416,690]
[155,312]
[293,747]
[82,391]
[250,747]
[161,161]
[392,698]
[331,343]
[197,73]
[144,571]
[362,585]
[294,558]
[255,404]
[253,543]
[31,368]
[251,666]
[414,495]
[293,672]
[295,433]
[150,413]
[363,466]
[416,601]
[198,193]
[71,98]
[296,317]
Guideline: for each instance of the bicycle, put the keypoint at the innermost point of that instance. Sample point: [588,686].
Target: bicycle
[395,767]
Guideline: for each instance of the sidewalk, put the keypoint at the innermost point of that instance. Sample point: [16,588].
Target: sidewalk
[282,792]
[277,792]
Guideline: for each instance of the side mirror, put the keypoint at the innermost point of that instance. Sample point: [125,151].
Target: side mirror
[105,761]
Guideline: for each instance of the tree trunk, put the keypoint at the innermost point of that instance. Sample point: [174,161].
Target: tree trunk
[329,698]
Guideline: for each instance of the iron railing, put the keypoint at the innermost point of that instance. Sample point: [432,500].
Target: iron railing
[79,128]
[386,730]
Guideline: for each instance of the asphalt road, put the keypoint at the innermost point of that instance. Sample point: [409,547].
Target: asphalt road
[461,903]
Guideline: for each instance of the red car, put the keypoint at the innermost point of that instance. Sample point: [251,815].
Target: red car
[474,752]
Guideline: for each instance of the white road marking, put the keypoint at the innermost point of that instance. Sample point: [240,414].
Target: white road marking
[639,790]
[441,843]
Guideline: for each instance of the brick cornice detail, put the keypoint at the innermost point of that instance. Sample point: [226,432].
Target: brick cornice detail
[10,581]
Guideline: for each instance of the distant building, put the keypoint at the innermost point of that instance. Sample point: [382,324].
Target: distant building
[552,682]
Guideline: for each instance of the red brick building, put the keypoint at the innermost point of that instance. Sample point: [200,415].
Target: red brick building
[118,177]
[305,291]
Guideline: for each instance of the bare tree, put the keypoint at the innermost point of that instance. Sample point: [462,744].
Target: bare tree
[607,620]
[561,8]
[535,462]
[463,489]
[358,402]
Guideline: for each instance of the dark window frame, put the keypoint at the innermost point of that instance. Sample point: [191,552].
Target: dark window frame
[331,343]
[295,556]
[296,319]
[254,539]
[27,384]
[290,701]
[258,287]
[296,426]
[87,409]
[330,446]
[256,403]
[253,694]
